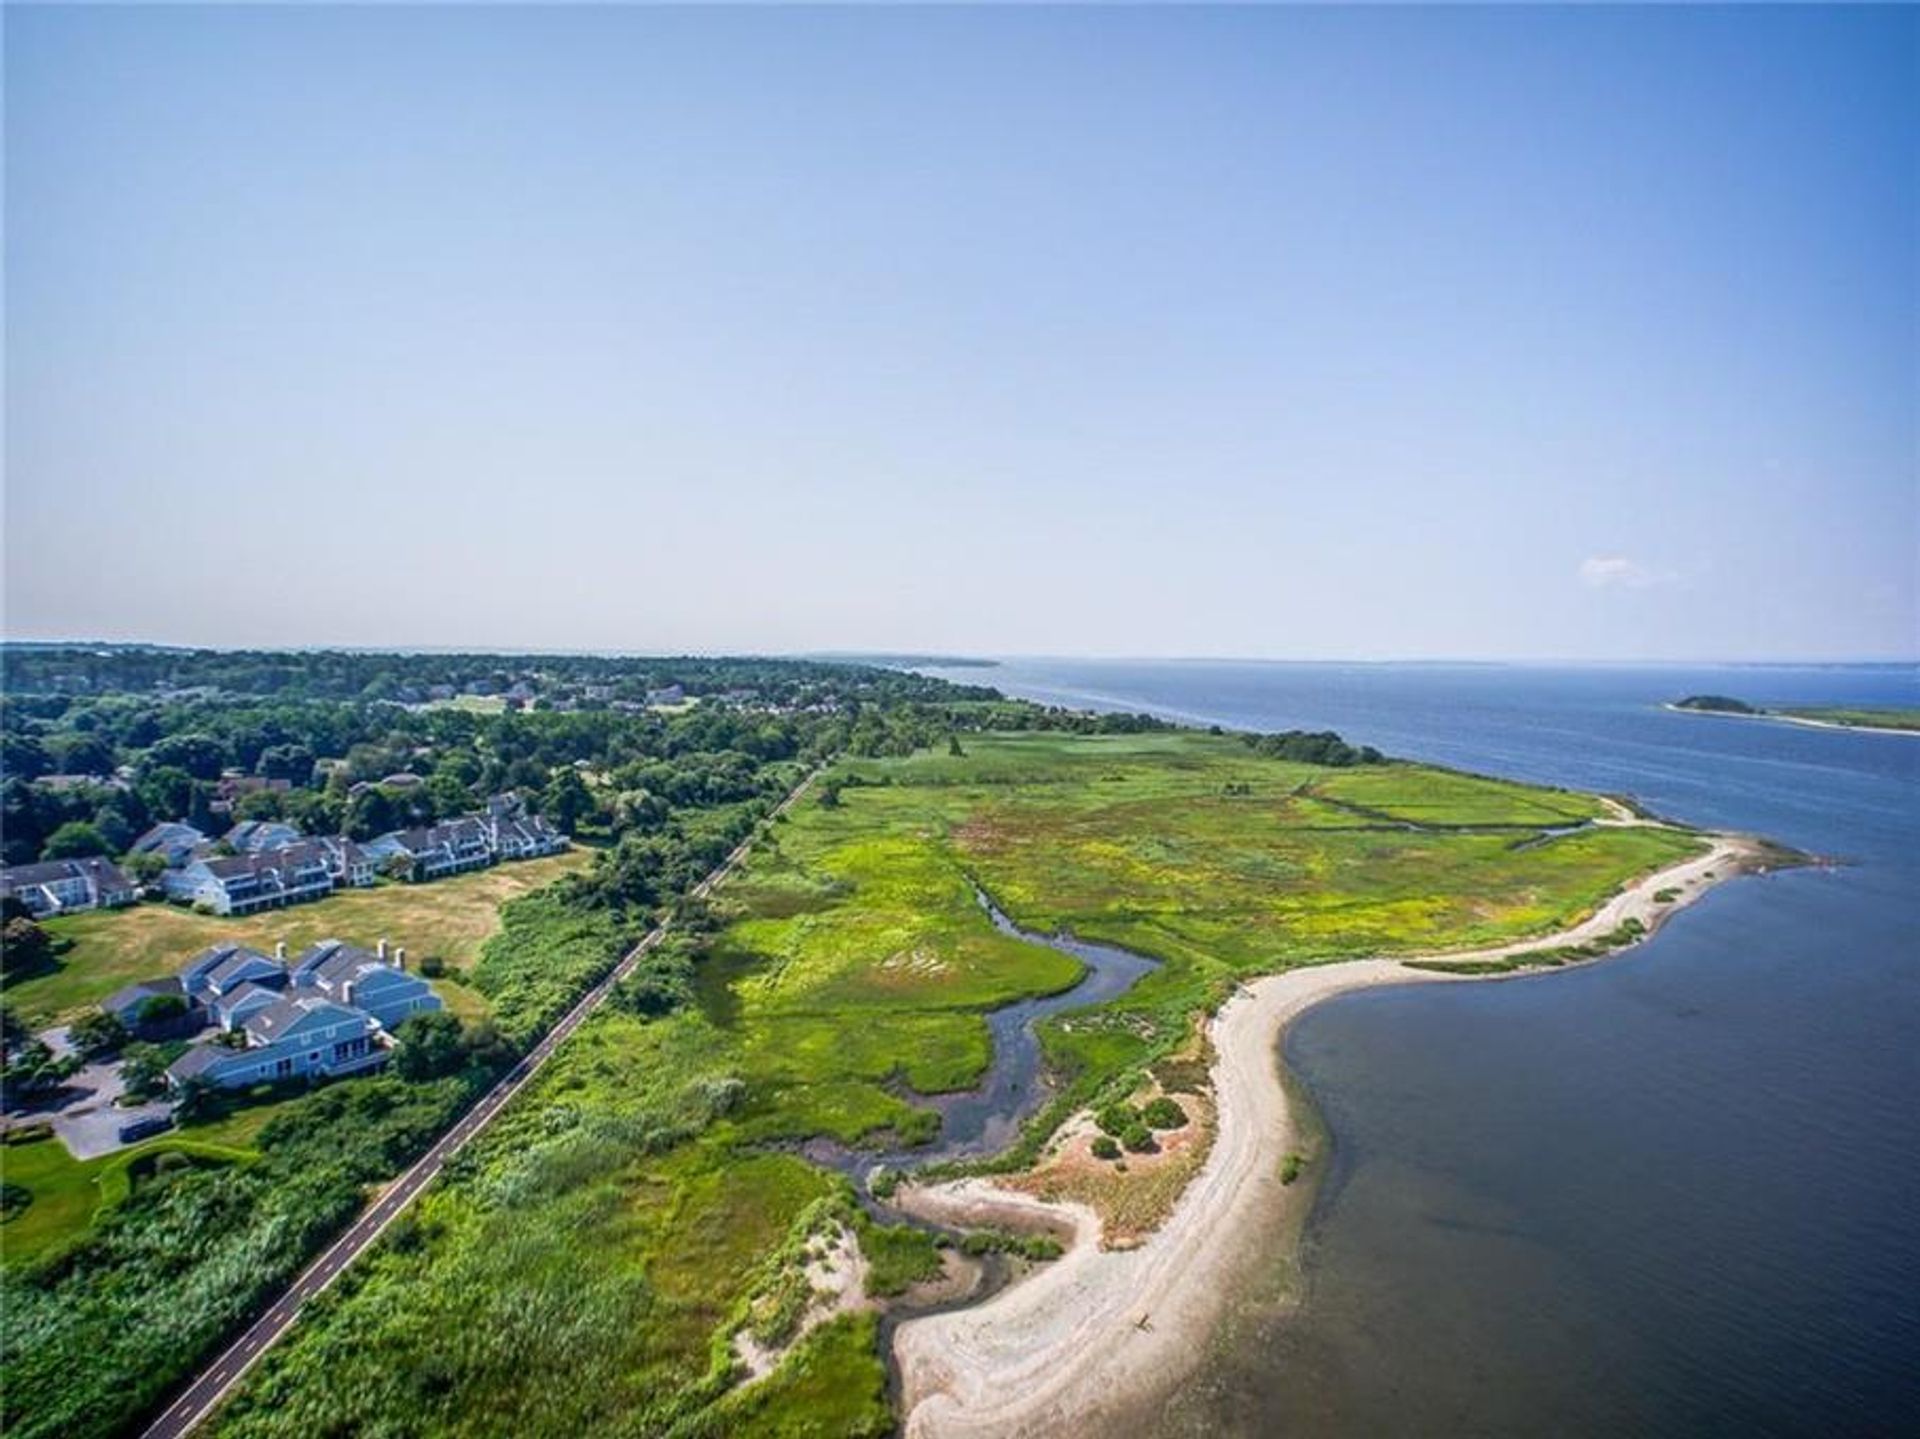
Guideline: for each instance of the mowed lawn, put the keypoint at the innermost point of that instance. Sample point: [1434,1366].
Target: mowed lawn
[449,919]
[67,1192]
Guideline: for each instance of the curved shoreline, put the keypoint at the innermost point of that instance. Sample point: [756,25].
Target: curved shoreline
[1099,1332]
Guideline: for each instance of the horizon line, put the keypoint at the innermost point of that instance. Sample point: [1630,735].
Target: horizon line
[937,658]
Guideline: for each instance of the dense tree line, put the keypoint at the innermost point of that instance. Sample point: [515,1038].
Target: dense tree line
[34,669]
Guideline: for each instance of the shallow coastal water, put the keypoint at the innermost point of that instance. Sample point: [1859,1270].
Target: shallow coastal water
[1671,1194]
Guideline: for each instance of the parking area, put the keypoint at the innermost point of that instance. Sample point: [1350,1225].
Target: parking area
[84,1114]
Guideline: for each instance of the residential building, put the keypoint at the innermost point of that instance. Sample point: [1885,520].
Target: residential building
[512,833]
[349,864]
[255,836]
[64,886]
[248,883]
[230,982]
[376,982]
[174,842]
[129,1006]
[302,1033]
[438,849]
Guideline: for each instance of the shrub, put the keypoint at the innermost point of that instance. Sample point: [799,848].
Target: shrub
[1139,1139]
[1164,1113]
[97,1032]
[1291,1166]
[1117,1119]
[433,967]
[1105,1147]
[161,1009]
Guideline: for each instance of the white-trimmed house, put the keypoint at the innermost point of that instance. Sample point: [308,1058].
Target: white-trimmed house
[247,883]
[437,850]
[301,1034]
[351,866]
[63,886]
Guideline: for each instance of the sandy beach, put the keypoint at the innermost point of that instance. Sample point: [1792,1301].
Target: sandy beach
[1099,1332]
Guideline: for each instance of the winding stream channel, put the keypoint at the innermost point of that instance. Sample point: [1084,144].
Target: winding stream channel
[987,1118]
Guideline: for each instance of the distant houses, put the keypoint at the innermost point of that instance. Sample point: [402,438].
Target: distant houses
[255,836]
[436,850]
[503,832]
[248,883]
[66,886]
[174,842]
[267,864]
[332,1012]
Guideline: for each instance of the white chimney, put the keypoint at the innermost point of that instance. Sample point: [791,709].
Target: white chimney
[346,993]
[381,949]
[400,956]
[280,951]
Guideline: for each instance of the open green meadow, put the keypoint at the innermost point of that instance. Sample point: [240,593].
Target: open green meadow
[449,919]
[583,1266]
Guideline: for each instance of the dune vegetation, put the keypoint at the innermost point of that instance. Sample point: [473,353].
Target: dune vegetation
[585,1265]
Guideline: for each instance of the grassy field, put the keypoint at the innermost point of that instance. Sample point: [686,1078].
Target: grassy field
[449,918]
[583,1266]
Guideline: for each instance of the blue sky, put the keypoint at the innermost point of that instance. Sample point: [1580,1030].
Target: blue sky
[1578,333]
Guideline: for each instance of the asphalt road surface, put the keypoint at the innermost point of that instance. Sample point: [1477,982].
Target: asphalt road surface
[188,1408]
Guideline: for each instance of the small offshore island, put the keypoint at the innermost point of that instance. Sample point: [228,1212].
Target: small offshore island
[1890,720]
[776,1264]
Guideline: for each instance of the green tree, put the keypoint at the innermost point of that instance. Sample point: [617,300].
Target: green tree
[76,839]
[566,800]
[429,1044]
[261,804]
[193,1096]
[143,1068]
[23,756]
[168,791]
[96,1032]
[160,1009]
[24,948]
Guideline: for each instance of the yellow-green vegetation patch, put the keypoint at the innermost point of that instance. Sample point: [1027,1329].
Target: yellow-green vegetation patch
[448,919]
[1187,847]
[1426,795]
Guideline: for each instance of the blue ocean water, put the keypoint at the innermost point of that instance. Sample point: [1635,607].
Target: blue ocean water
[1676,1193]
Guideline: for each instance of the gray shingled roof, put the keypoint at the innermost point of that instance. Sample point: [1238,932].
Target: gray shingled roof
[277,1018]
[198,1060]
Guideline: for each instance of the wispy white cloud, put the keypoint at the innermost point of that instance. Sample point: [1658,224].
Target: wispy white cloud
[1602,572]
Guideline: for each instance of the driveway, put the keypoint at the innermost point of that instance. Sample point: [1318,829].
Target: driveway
[85,1116]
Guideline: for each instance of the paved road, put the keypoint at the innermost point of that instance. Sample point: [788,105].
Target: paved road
[217,1380]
